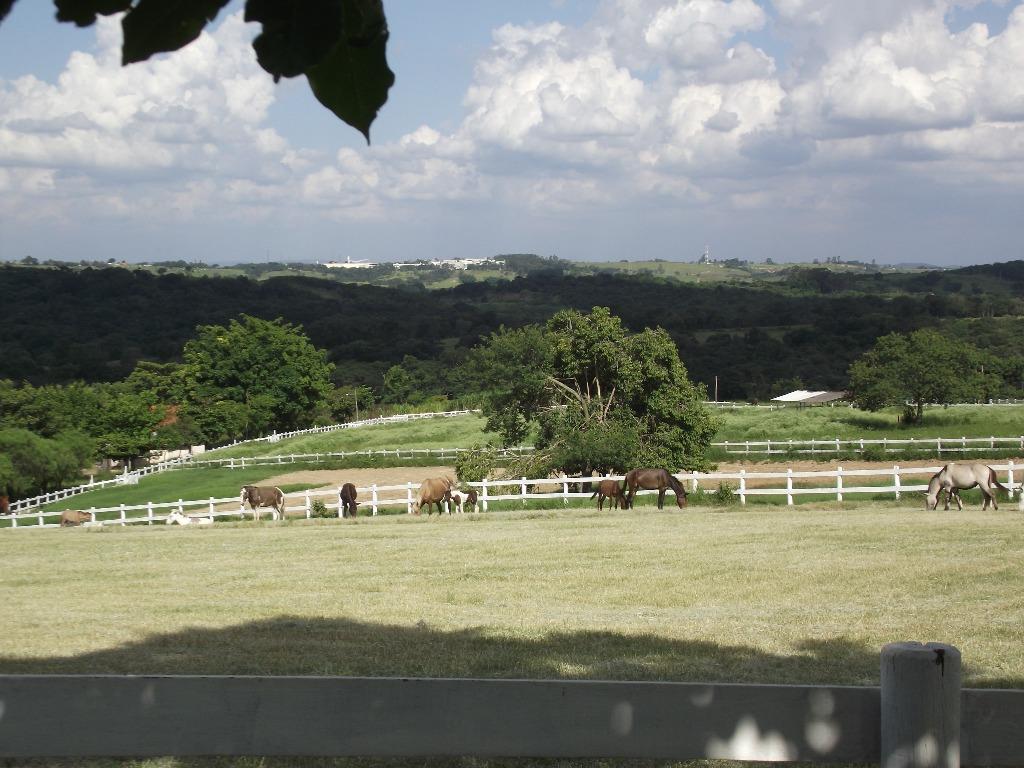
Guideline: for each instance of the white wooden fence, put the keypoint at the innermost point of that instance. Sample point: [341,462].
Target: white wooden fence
[918,717]
[375,498]
[132,477]
[887,444]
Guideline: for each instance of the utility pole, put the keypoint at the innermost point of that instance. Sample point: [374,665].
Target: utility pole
[355,393]
[716,388]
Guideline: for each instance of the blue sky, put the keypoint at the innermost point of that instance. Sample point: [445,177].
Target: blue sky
[591,129]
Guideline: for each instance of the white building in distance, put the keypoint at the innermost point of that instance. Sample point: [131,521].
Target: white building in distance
[348,264]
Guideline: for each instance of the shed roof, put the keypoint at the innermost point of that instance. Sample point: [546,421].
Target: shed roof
[805,397]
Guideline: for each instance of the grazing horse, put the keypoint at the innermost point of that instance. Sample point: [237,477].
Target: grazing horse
[953,478]
[263,496]
[610,489]
[433,490]
[651,479]
[71,517]
[459,500]
[347,498]
[180,519]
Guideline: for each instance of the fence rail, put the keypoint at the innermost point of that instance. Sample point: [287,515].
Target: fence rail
[918,716]
[378,497]
[889,445]
[132,477]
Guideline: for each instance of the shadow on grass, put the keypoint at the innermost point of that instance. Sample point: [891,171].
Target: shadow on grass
[294,645]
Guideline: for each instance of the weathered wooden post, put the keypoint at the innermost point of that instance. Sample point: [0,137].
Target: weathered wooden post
[920,689]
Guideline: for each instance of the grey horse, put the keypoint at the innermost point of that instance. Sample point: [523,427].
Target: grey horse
[954,478]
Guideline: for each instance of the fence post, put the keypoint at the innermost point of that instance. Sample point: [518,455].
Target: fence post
[694,484]
[862,445]
[373,499]
[746,446]
[149,512]
[309,509]
[743,486]
[122,515]
[938,445]
[565,493]
[211,508]
[726,446]
[341,508]
[408,498]
[483,494]
[920,692]
[839,483]
[769,442]
[789,487]
[522,490]
[837,445]
[896,480]
[1010,478]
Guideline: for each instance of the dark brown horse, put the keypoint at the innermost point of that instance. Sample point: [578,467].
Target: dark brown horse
[610,489]
[347,498]
[654,479]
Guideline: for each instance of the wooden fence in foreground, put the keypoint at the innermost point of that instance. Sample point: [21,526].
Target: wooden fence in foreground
[830,484]
[918,716]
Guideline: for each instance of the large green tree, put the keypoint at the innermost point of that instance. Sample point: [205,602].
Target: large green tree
[599,396]
[265,372]
[917,368]
[338,45]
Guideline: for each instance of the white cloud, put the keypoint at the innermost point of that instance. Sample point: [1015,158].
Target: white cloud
[666,102]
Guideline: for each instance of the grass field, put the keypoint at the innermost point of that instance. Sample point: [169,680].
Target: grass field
[738,425]
[742,595]
[454,432]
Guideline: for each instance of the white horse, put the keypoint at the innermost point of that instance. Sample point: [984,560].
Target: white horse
[954,478]
[180,519]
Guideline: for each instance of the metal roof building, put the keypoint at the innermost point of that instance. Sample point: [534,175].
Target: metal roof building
[804,397]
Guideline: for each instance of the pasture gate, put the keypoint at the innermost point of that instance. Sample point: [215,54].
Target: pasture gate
[919,717]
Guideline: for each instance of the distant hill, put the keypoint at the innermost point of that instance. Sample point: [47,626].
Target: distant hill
[809,323]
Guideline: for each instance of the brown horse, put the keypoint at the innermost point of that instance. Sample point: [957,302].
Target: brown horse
[262,496]
[434,490]
[610,489]
[347,499]
[654,479]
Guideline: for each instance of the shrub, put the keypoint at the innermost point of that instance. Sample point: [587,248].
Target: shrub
[319,509]
[724,494]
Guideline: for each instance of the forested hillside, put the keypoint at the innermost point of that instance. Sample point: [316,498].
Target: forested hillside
[61,325]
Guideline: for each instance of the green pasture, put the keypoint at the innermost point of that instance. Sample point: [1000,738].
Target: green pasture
[454,432]
[738,424]
[847,423]
[804,595]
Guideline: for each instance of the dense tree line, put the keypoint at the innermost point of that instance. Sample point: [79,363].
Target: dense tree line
[63,325]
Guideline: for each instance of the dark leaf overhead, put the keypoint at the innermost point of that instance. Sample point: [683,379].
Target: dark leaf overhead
[158,26]
[297,34]
[84,12]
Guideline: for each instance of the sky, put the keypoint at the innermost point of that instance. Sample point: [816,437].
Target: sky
[587,129]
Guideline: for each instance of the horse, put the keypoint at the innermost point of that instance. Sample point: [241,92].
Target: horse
[434,490]
[347,500]
[953,478]
[610,489]
[263,496]
[650,479]
[459,500]
[70,517]
[180,519]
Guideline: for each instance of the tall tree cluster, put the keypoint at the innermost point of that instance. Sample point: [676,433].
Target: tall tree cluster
[595,395]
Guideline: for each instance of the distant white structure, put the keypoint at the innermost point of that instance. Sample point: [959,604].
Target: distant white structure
[804,397]
[447,263]
[349,264]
